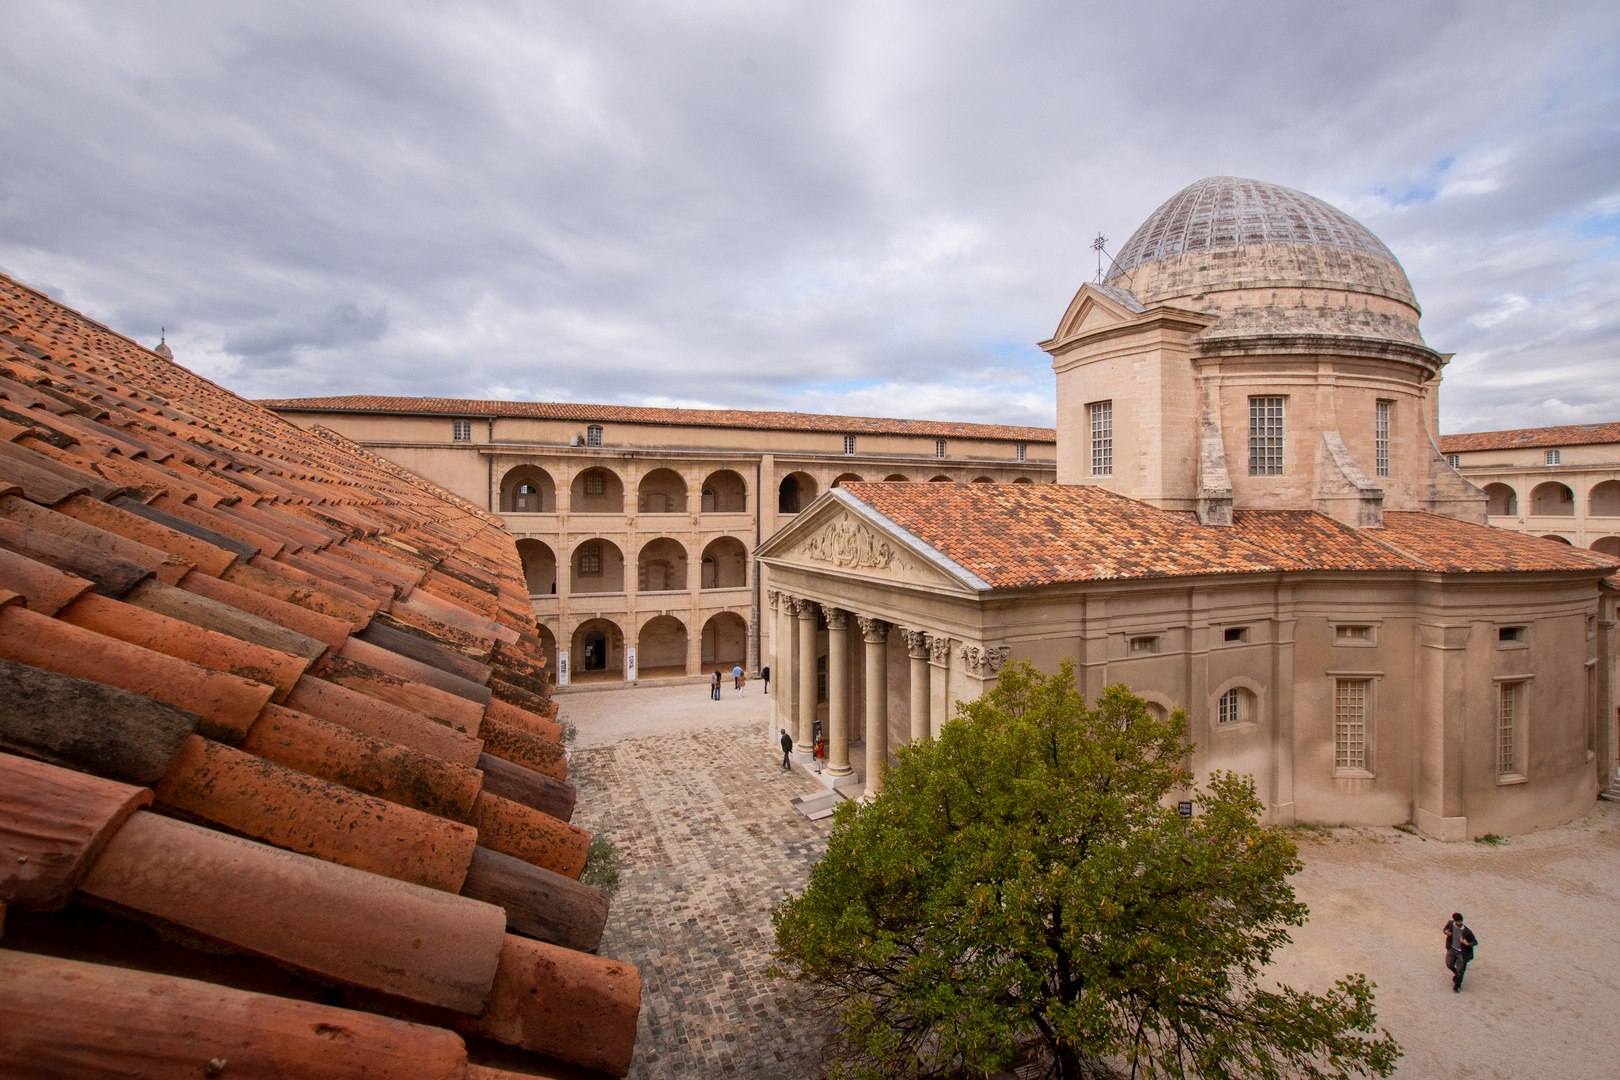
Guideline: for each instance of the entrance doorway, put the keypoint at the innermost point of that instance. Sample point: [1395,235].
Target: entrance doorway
[595,651]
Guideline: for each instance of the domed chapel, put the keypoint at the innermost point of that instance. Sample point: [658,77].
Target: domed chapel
[1251,522]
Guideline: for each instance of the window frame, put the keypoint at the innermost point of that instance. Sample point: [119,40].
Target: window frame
[1020,449]
[1268,434]
[593,435]
[1229,711]
[1355,641]
[1348,716]
[849,444]
[461,431]
[589,562]
[1512,711]
[1154,643]
[1383,416]
[599,478]
[939,448]
[1100,420]
[1555,457]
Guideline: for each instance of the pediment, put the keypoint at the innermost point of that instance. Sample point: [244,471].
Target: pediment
[835,536]
[1095,307]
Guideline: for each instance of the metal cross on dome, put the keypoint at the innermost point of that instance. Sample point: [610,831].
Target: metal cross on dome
[1100,246]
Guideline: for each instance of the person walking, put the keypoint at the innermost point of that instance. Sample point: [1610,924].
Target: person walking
[821,752]
[742,681]
[787,749]
[714,687]
[1460,942]
[765,674]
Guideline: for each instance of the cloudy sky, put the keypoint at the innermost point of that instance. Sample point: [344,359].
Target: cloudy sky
[861,207]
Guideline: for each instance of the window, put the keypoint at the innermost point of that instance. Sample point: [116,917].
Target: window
[1355,635]
[1102,437]
[1236,633]
[1020,451]
[1231,711]
[849,444]
[1509,709]
[1350,724]
[462,430]
[590,558]
[1381,437]
[1454,460]
[1553,457]
[1510,633]
[821,679]
[1265,436]
[939,447]
[593,435]
[595,482]
[1144,644]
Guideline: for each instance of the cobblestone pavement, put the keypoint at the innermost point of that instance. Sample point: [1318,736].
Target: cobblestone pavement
[707,842]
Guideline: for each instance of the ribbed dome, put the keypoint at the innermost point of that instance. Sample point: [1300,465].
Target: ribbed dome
[1230,211]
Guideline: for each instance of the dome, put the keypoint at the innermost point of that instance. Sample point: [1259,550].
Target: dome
[1229,211]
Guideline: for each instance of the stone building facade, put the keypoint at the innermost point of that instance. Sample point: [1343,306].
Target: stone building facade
[637,525]
[1252,523]
[1559,483]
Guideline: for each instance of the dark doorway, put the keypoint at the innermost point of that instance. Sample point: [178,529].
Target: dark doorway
[595,651]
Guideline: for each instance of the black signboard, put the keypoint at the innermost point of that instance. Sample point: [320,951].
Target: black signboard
[1184,809]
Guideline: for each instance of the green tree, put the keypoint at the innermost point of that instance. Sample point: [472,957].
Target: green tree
[1025,885]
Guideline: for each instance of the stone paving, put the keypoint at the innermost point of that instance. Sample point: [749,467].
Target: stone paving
[708,840]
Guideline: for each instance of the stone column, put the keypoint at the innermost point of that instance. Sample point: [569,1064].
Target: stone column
[939,705]
[876,633]
[837,693]
[803,741]
[780,663]
[917,649]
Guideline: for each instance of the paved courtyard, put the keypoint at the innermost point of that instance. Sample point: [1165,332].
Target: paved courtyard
[689,792]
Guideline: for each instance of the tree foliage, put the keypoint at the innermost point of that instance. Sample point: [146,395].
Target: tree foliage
[1025,884]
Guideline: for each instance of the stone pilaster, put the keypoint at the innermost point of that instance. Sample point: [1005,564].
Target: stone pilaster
[838,692]
[917,650]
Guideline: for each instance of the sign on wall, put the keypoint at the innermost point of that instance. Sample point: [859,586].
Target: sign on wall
[629,665]
[562,668]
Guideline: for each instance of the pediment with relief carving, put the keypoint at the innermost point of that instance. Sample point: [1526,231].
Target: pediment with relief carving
[849,543]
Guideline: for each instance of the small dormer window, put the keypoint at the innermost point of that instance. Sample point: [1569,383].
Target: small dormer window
[461,431]
[1553,457]
[939,447]
[1454,460]
[1021,451]
[849,444]
[593,435]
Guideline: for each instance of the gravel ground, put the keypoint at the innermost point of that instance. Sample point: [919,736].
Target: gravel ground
[689,790]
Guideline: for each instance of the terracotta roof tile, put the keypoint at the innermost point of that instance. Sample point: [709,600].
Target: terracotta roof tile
[1457,547]
[1531,438]
[630,414]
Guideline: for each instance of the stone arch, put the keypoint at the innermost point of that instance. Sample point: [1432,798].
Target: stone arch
[596,566]
[1023,480]
[597,649]
[940,480]
[1604,499]
[846,478]
[897,478]
[1251,702]
[1501,500]
[725,641]
[661,566]
[797,491]
[725,564]
[1555,538]
[1552,499]
[661,648]
[1607,545]
[597,490]
[661,491]
[548,645]
[725,492]
[539,566]
[528,489]
[983,480]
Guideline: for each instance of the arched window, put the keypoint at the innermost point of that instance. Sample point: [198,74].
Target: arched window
[593,435]
[1232,707]
[461,430]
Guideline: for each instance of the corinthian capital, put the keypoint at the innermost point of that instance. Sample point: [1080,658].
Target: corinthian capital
[939,651]
[837,618]
[875,631]
[773,595]
[807,609]
[916,644]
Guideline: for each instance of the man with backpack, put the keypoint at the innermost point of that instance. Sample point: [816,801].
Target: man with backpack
[1460,942]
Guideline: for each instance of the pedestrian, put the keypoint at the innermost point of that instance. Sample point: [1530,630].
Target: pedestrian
[765,673]
[714,687]
[787,749]
[742,681]
[821,752]
[1460,942]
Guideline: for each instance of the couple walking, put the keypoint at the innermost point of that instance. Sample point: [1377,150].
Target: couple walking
[738,679]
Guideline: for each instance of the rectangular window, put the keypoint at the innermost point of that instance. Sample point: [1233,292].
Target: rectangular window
[1381,437]
[1350,724]
[593,435]
[594,483]
[1020,451]
[939,447]
[462,430]
[1144,644]
[1509,710]
[1510,633]
[590,559]
[821,680]
[849,444]
[1265,436]
[1235,633]
[1553,457]
[1231,711]
[1454,460]
[1102,437]
[1353,633]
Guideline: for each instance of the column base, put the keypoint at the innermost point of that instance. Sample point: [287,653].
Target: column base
[1441,828]
[831,782]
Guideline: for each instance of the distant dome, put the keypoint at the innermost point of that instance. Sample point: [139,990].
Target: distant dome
[1229,211]
[163,349]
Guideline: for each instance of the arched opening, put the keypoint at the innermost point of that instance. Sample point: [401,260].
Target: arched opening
[725,642]
[661,566]
[940,480]
[661,648]
[539,566]
[725,493]
[662,491]
[1557,539]
[598,651]
[1608,545]
[1552,499]
[725,564]
[1604,499]
[528,489]
[1501,500]
[1023,480]
[548,645]
[846,478]
[983,480]
[598,567]
[897,478]
[597,491]
[796,492]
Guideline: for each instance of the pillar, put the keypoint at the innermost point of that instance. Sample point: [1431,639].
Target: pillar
[939,686]
[803,738]
[917,649]
[876,633]
[838,693]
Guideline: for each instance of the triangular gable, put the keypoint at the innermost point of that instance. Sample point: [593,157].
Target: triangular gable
[840,534]
[1096,306]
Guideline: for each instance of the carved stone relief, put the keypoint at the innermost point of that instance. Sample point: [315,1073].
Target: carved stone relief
[985,663]
[874,630]
[939,651]
[916,644]
[849,543]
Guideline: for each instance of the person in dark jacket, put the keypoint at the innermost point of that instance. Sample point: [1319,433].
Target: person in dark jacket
[714,687]
[765,673]
[787,750]
[1460,942]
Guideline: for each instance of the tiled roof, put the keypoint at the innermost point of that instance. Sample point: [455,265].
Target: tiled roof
[1019,535]
[630,414]
[1531,438]
[282,699]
